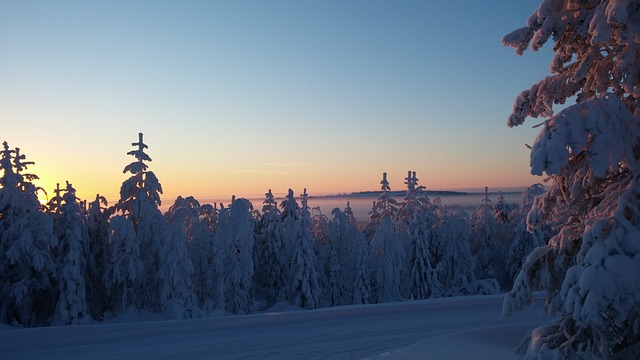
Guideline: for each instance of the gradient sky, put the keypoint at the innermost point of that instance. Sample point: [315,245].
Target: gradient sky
[235,97]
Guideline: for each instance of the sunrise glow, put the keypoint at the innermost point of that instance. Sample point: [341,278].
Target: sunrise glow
[236,99]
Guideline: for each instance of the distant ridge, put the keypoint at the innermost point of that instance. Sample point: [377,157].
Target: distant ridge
[394,193]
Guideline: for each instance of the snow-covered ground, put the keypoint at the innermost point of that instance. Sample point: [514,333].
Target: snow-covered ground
[447,328]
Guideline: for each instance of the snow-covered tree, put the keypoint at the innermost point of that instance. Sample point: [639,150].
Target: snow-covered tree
[271,267]
[139,202]
[455,265]
[289,215]
[98,255]
[220,248]
[383,206]
[55,203]
[327,263]
[386,254]
[590,151]
[305,289]
[27,268]
[343,236]
[524,242]
[417,220]
[333,288]
[178,300]
[361,282]
[124,275]
[486,246]
[197,223]
[73,240]
[209,270]
[319,226]
[237,236]
[386,261]
[502,210]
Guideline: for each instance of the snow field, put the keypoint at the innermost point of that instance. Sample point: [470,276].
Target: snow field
[444,328]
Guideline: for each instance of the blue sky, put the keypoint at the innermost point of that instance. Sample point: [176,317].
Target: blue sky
[235,97]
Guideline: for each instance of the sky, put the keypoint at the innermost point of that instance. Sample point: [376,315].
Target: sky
[238,97]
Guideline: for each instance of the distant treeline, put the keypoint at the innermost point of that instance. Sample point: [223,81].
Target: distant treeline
[376,193]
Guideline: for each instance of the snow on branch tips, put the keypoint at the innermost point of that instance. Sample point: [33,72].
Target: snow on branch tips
[601,128]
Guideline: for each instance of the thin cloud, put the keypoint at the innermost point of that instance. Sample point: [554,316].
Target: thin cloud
[285,164]
[257,171]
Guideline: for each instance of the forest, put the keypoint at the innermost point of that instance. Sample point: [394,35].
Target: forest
[70,261]
[577,239]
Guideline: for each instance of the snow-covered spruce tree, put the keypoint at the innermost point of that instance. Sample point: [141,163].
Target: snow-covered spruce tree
[386,261]
[486,246]
[271,268]
[305,289]
[524,242]
[124,274]
[502,209]
[236,235]
[324,255]
[198,223]
[177,298]
[208,266]
[55,203]
[591,151]
[319,226]
[27,269]
[329,263]
[417,223]
[506,225]
[98,255]
[220,248]
[455,265]
[386,253]
[343,237]
[139,202]
[333,288]
[73,240]
[383,206]
[361,282]
[322,250]
[289,217]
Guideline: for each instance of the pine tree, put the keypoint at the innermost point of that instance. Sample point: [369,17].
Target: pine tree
[590,151]
[27,269]
[73,238]
[139,202]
